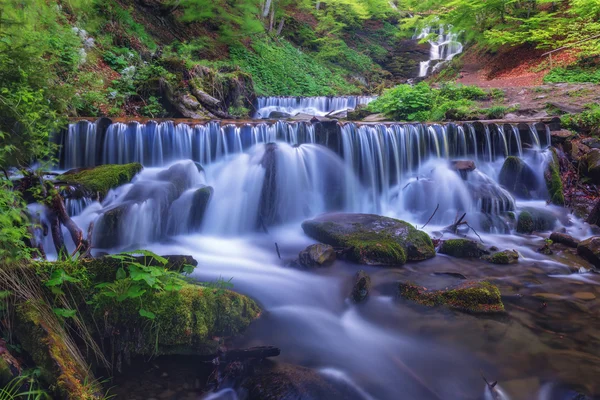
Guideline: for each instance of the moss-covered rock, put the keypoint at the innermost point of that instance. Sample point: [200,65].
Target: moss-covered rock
[553,181]
[10,368]
[502,257]
[186,321]
[535,220]
[590,250]
[98,181]
[517,177]
[317,255]
[472,297]
[591,165]
[462,248]
[371,239]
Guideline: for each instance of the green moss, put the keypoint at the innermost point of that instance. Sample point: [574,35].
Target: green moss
[379,251]
[100,180]
[186,320]
[503,257]
[554,182]
[461,248]
[473,297]
[525,223]
[535,220]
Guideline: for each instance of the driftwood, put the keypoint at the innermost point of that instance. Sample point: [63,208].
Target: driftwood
[460,222]
[432,215]
[210,103]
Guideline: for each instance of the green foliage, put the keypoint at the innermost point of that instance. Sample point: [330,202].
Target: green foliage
[13,224]
[587,121]
[573,75]
[281,69]
[153,108]
[24,387]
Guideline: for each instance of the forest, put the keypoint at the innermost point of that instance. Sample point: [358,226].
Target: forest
[275,199]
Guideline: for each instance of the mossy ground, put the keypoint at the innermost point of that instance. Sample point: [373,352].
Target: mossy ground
[554,182]
[473,297]
[99,180]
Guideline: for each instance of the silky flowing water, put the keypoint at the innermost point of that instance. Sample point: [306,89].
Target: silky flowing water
[545,347]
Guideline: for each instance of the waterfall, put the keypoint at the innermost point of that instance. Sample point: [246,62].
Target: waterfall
[319,106]
[443,48]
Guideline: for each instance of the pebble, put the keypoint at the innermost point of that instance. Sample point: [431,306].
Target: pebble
[584,295]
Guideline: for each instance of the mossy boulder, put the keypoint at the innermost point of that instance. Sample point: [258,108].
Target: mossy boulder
[553,180]
[471,296]
[317,255]
[591,165]
[535,220]
[107,232]
[502,257]
[98,181]
[371,239]
[517,177]
[186,321]
[462,248]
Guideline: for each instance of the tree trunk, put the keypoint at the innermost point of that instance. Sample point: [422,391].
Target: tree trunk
[267,8]
[272,20]
[280,26]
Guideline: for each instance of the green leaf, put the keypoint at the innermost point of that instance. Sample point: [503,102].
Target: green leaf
[188,269]
[121,274]
[147,253]
[64,312]
[135,291]
[56,290]
[147,314]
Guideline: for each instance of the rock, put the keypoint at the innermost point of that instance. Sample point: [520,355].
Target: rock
[561,136]
[553,180]
[535,220]
[317,255]
[584,295]
[97,181]
[361,286]
[289,382]
[375,118]
[462,248]
[107,232]
[471,296]
[10,368]
[590,250]
[279,115]
[201,199]
[517,177]
[566,108]
[502,257]
[591,142]
[358,114]
[593,217]
[180,175]
[591,164]
[371,239]
[462,165]
[565,239]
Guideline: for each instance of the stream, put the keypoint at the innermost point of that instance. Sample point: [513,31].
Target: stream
[544,348]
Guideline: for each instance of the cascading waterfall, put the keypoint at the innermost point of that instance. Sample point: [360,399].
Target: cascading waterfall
[443,48]
[318,106]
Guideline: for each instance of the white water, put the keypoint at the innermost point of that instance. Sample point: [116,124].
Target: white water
[396,170]
[317,106]
[443,48]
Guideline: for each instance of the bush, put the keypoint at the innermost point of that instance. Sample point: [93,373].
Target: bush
[587,121]
[573,75]
[406,102]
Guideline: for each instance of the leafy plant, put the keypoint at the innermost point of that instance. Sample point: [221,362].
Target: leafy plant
[24,387]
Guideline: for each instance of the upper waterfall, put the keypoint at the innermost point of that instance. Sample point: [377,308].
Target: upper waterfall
[443,48]
[268,107]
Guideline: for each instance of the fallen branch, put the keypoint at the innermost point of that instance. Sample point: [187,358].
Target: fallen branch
[277,248]
[430,218]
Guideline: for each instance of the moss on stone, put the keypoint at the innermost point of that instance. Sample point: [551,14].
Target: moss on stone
[99,180]
[472,297]
[554,182]
[186,320]
[503,257]
[535,220]
[462,248]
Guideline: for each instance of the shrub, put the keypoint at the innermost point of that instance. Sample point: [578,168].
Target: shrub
[573,75]
[587,121]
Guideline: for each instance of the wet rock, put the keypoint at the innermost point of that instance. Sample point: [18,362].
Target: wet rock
[96,182]
[107,232]
[180,175]
[535,220]
[361,286]
[317,255]
[371,239]
[463,165]
[590,250]
[584,295]
[553,180]
[201,199]
[290,382]
[517,177]
[502,257]
[561,136]
[279,115]
[591,165]
[462,248]
[593,217]
[563,238]
[358,114]
[471,296]
[548,296]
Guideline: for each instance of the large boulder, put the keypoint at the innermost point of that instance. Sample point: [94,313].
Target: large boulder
[471,296]
[517,177]
[96,182]
[535,220]
[200,201]
[462,248]
[592,165]
[371,239]
[563,238]
[553,180]
[590,250]
[317,255]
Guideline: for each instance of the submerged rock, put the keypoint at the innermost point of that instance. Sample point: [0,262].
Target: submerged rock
[565,239]
[502,257]
[290,382]
[361,286]
[517,177]
[535,220]
[201,199]
[590,250]
[471,296]
[97,181]
[317,255]
[371,239]
[462,248]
